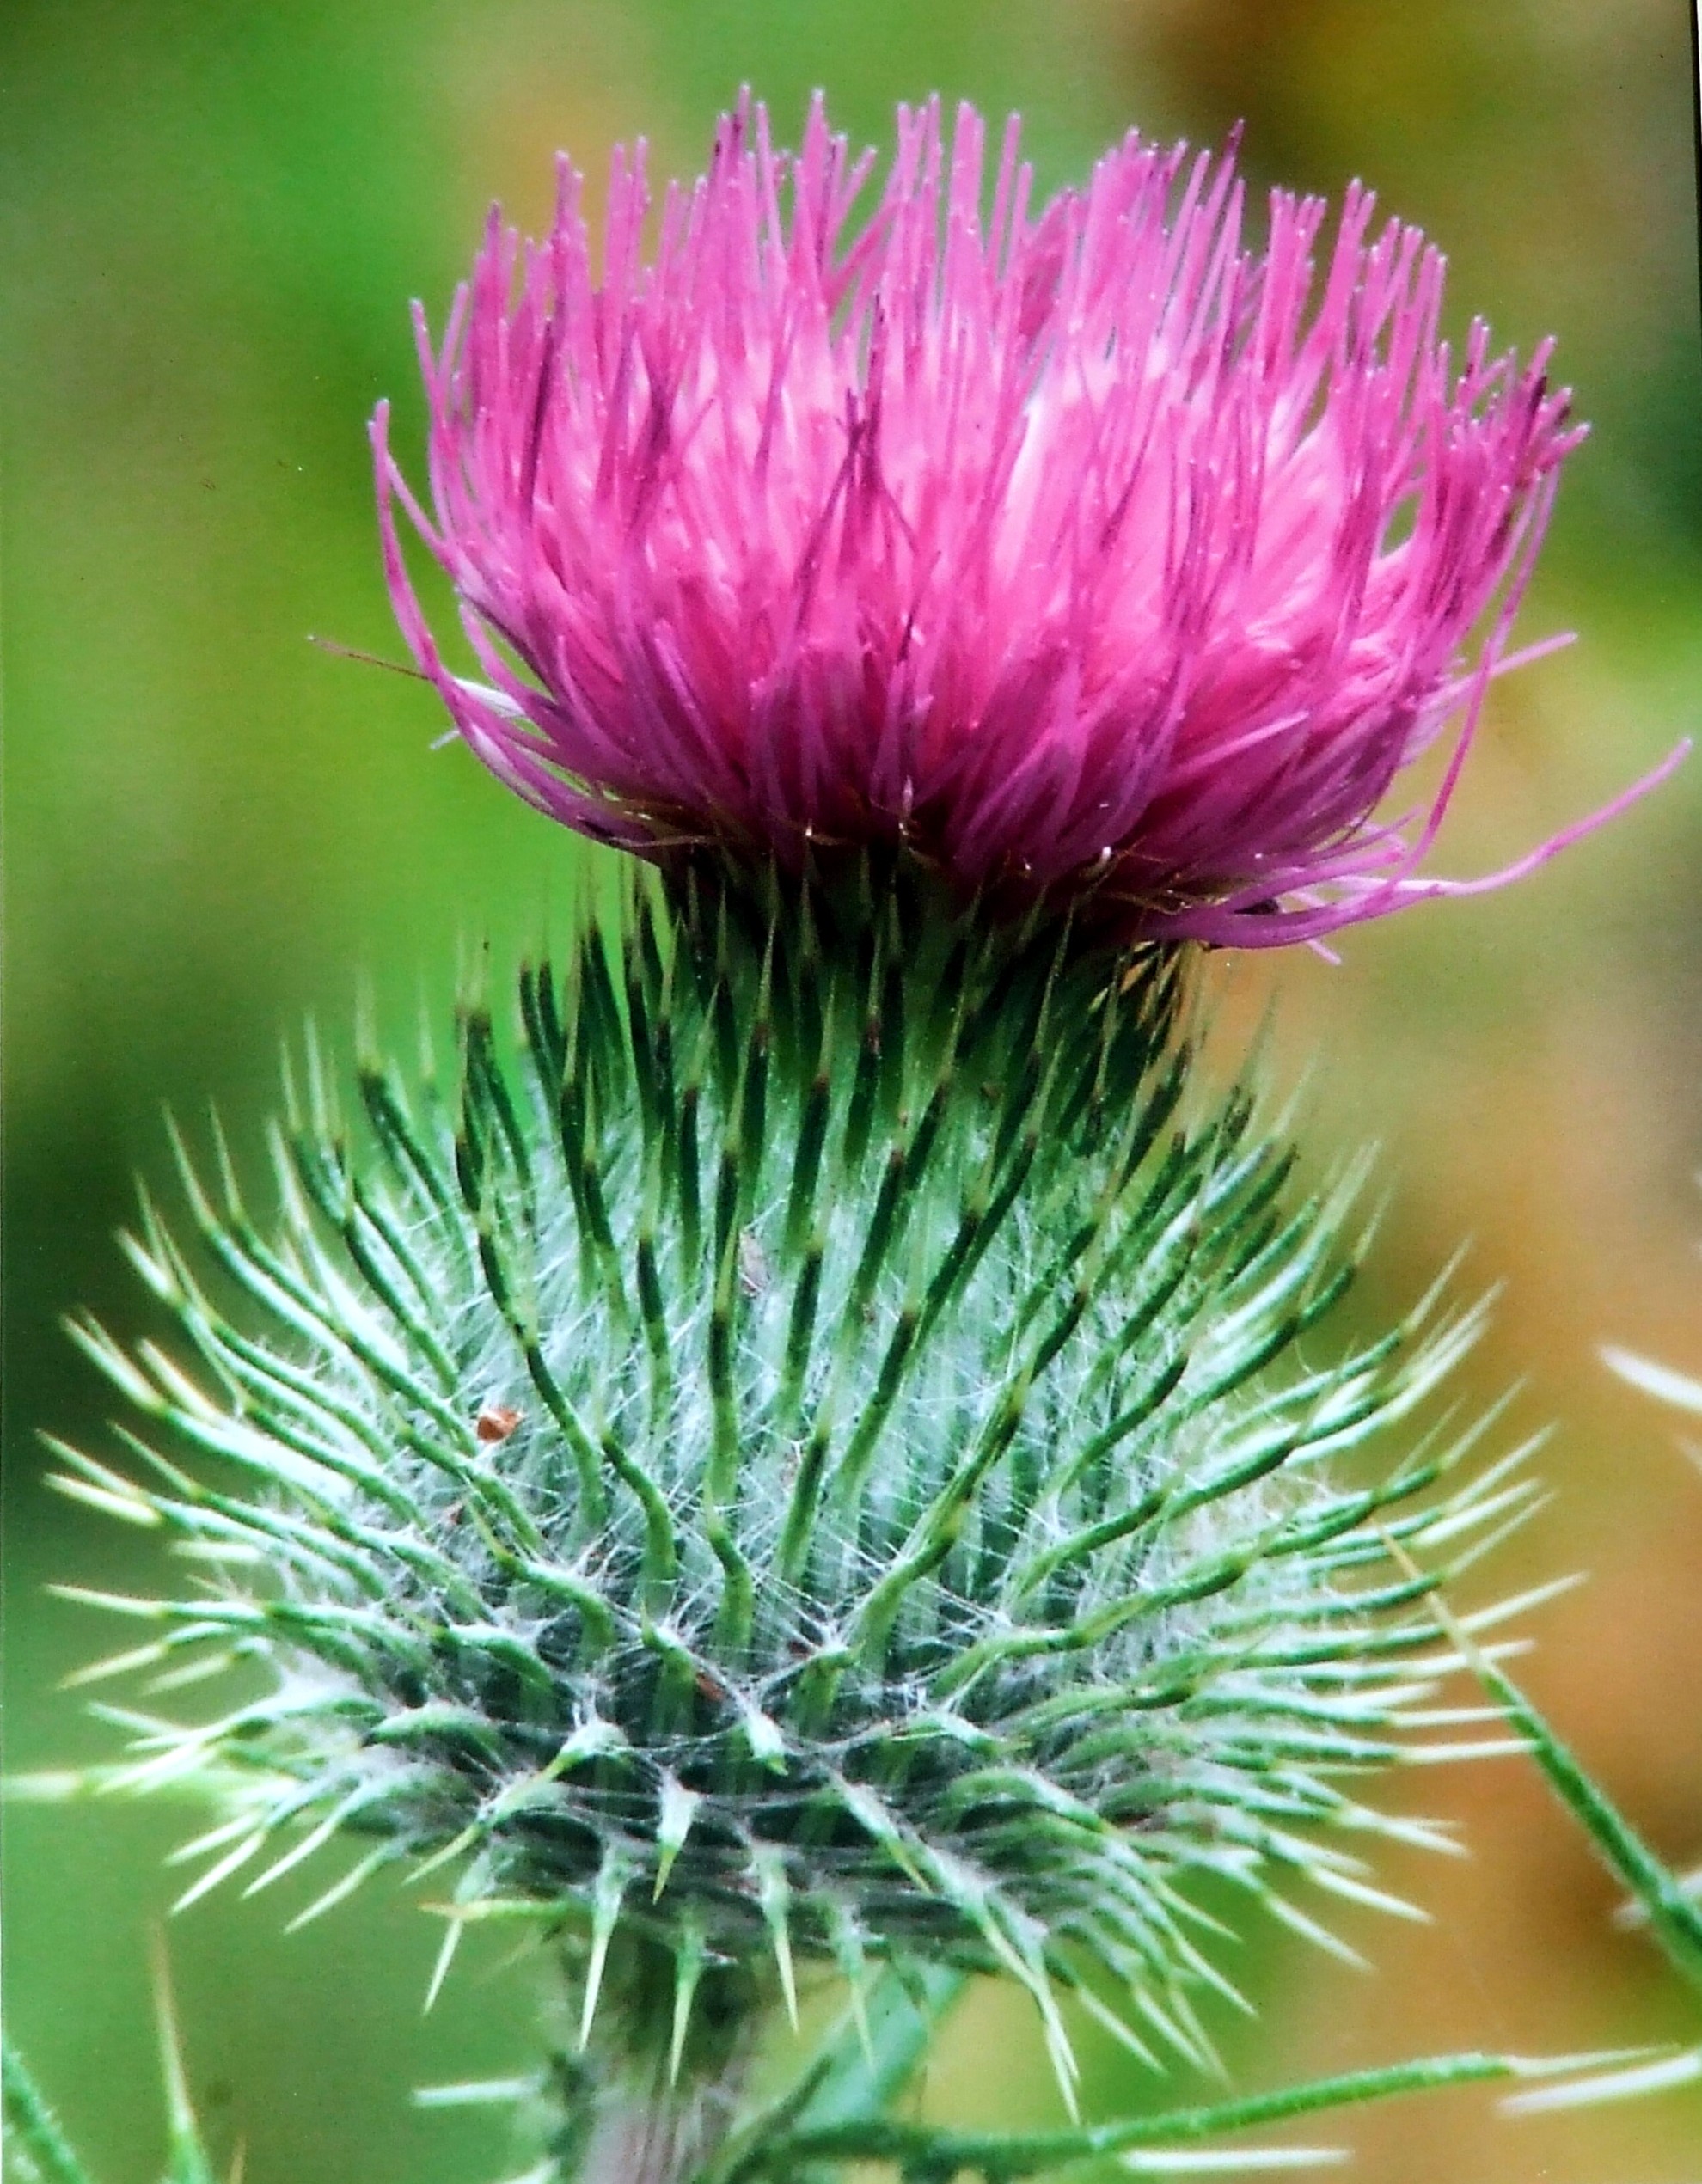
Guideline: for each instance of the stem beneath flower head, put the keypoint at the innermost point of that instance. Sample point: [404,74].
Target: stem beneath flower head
[653,2092]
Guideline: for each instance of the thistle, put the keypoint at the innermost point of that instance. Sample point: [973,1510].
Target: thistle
[809,1460]
[1074,549]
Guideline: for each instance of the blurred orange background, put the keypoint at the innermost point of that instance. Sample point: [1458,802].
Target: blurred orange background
[213,217]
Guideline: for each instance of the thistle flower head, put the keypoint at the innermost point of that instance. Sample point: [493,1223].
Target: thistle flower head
[812,1459]
[1072,546]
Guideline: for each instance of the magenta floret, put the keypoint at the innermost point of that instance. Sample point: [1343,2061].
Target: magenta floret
[1074,546]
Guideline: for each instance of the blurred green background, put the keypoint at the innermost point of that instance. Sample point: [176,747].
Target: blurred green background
[214,214]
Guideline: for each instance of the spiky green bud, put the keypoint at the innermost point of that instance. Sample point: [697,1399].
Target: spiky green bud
[813,1454]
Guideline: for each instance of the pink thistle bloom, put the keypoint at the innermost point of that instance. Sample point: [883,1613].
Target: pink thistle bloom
[1083,547]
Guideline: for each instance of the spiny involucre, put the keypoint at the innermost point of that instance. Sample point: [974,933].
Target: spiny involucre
[822,1454]
[1077,547]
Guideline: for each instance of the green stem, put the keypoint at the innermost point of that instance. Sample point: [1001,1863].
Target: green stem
[1004,2157]
[653,2092]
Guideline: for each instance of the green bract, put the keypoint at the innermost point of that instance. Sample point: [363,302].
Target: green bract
[813,1454]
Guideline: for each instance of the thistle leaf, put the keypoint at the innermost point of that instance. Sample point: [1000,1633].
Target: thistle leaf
[32,2129]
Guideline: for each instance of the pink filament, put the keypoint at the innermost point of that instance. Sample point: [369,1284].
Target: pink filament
[1077,547]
